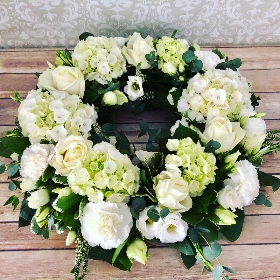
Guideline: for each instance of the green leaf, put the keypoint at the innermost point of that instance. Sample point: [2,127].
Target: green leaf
[217,52]
[228,269]
[98,253]
[139,204]
[16,144]
[112,87]
[255,100]
[188,261]
[193,235]
[144,128]
[82,205]
[210,232]
[66,202]
[192,218]
[164,212]
[12,200]
[84,35]
[184,132]
[68,216]
[189,56]
[269,180]
[4,151]
[176,95]
[268,203]
[118,250]
[213,251]
[61,180]
[153,214]
[151,58]
[233,232]
[260,199]
[12,169]
[26,214]
[2,167]
[48,173]
[34,227]
[217,273]
[196,66]
[212,146]
[144,179]
[237,62]
[182,247]
[45,233]
[123,144]
[12,186]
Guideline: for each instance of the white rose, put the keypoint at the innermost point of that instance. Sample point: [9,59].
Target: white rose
[145,225]
[38,198]
[69,152]
[134,88]
[255,134]
[115,97]
[106,224]
[172,228]
[66,78]
[241,188]
[172,191]
[136,50]
[35,160]
[227,133]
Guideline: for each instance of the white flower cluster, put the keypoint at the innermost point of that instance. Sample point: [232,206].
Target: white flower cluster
[198,167]
[241,188]
[105,172]
[170,53]
[100,58]
[54,115]
[209,59]
[168,230]
[226,90]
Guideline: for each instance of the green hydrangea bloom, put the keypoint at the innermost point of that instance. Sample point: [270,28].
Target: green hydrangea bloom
[198,167]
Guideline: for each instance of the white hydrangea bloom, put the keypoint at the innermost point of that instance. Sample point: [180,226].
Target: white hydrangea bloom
[106,169]
[100,58]
[223,89]
[34,161]
[54,115]
[241,188]
[106,224]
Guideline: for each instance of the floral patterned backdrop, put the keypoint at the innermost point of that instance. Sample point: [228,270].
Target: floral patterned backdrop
[53,23]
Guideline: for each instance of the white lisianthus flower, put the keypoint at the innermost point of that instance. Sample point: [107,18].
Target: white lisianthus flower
[34,161]
[172,191]
[145,225]
[100,58]
[136,50]
[115,97]
[227,133]
[172,228]
[137,251]
[69,152]
[255,134]
[241,188]
[38,198]
[64,78]
[106,224]
[134,88]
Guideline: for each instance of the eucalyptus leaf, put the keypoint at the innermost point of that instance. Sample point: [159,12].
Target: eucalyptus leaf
[183,247]
[269,180]
[84,35]
[189,56]
[2,167]
[196,66]
[144,128]
[217,272]
[212,146]
[260,199]
[228,269]
[213,251]
[12,169]
[153,214]
[12,186]
[164,212]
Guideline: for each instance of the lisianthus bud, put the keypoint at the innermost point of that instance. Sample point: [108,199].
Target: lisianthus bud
[226,216]
[71,236]
[41,215]
[115,97]
[230,160]
[137,251]
[14,156]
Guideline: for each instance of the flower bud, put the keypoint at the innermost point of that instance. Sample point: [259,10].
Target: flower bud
[14,156]
[71,236]
[230,160]
[226,216]
[41,215]
[138,251]
[259,115]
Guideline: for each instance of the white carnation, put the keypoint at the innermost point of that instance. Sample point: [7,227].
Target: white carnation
[35,160]
[241,188]
[106,224]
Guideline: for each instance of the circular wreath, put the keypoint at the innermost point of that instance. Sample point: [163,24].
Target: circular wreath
[78,172]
